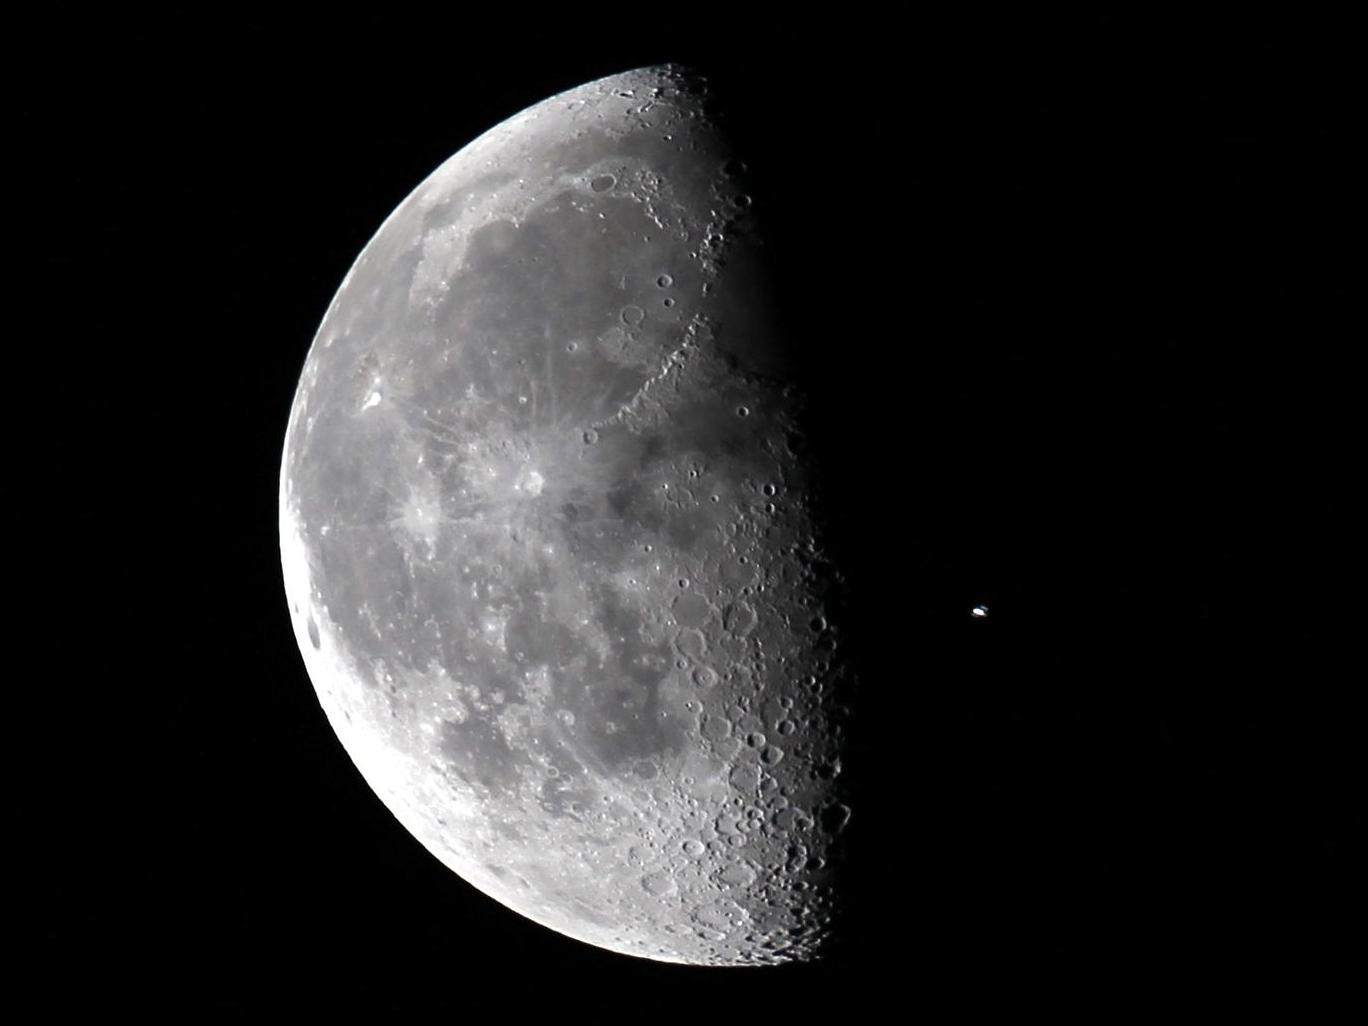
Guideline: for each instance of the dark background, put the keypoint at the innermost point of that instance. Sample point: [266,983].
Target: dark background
[1077,295]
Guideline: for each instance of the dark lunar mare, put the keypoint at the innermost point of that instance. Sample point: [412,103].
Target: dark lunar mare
[554,545]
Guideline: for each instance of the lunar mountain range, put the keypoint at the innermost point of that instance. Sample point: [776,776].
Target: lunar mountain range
[551,546]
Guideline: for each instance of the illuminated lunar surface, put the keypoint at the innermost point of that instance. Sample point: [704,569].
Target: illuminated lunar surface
[550,546]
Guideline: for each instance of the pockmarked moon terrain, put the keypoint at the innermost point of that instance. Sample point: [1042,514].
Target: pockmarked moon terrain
[552,548]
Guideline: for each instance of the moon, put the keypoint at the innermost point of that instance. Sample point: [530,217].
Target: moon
[551,547]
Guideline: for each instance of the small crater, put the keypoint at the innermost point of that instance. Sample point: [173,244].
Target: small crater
[738,875]
[705,677]
[792,819]
[745,776]
[738,574]
[690,642]
[716,728]
[603,183]
[664,281]
[633,315]
[690,609]
[314,639]
[662,885]
[739,618]
[835,817]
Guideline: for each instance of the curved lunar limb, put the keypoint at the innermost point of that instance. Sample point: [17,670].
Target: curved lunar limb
[550,545]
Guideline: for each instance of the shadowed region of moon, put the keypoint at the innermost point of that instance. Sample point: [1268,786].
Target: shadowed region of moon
[554,560]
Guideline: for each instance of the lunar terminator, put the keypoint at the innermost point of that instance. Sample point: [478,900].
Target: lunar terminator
[551,547]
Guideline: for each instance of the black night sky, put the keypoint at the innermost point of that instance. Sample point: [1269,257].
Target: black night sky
[1076,293]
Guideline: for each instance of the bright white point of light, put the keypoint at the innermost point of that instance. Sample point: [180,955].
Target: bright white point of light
[979,612]
[371,400]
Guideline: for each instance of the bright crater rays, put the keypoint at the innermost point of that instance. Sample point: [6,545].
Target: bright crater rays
[552,550]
